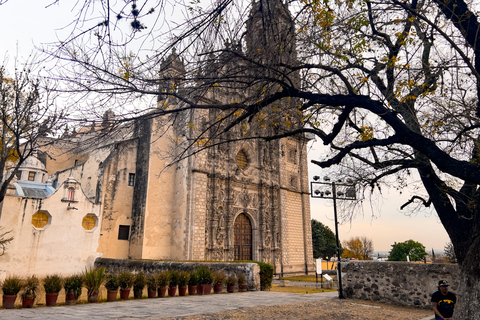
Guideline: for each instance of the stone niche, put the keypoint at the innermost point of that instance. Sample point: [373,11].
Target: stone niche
[400,283]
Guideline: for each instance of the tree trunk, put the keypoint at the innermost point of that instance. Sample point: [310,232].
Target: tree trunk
[468,295]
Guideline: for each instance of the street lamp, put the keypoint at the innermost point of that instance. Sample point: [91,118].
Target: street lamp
[332,190]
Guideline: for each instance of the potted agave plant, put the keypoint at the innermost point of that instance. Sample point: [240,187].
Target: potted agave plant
[163,279]
[242,282]
[139,284]
[205,279]
[112,284]
[10,287]
[231,281]
[218,281]
[183,278]
[152,285]
[93,279]
[192,283]
[73,288]
[126,282]
[52,285]
[172,287]
[30,287]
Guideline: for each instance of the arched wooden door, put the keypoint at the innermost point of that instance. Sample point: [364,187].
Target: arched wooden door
[243,238]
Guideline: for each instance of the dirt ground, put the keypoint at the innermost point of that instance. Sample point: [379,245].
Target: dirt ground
[348,309]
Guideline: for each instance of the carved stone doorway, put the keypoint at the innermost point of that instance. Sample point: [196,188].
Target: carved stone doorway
[243,238]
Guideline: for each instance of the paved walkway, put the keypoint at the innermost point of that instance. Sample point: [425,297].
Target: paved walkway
[165,307]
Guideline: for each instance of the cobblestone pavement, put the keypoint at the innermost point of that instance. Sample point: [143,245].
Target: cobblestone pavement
[248,305]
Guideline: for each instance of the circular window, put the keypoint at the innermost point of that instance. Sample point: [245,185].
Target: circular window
[40,219]
[89,222]
[242,160]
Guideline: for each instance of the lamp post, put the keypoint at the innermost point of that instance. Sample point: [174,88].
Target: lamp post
[332,190]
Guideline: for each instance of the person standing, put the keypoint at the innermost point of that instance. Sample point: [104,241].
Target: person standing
[443,301]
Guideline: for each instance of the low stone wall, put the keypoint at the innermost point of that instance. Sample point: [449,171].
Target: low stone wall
[400,283]
[251,270]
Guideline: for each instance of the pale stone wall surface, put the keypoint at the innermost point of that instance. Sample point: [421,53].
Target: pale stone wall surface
[62,246]
[401,283]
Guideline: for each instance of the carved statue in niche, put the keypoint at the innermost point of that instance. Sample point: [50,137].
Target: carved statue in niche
[267,255]
[243,197]
[267,240]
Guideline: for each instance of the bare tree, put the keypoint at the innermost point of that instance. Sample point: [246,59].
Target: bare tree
[27,115]
[367,248]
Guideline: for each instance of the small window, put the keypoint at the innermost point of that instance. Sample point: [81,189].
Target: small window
[123,232]
[40,219]
[292,155]
[293,181]
[31,176]
[76,162]
[131,179]
[242,160]
[71,194]
[18,174]
[89,222]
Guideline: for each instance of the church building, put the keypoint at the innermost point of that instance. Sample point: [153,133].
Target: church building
[243,198]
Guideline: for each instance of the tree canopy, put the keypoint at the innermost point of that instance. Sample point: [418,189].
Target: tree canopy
[360,248]
[412,249]
[323,241]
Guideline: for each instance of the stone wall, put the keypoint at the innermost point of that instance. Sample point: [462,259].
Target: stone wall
[400,283]
[251,270]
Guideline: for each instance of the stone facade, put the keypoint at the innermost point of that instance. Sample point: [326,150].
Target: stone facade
[400,283]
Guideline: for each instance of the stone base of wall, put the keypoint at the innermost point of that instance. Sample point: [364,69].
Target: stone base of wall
[251,270]
[401,283]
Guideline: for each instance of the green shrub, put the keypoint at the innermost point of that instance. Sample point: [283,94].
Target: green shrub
[266,275]
[241,278]
[231,280]
[193,280]
[163,279]
[111,282]
[126,280]
[173,278]
[30,287]
[93,279]
[52,283]
[183,278]
[12,285]
[204,275]
[73,284]
[219,277]
[152,282]
[140,281]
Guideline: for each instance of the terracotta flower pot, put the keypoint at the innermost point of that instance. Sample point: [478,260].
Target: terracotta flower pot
[93,297]
[152,293]
[242,287]
[51,299]
[27,303]
[206,288]
[182,291]
[199,289]
[231,288]
[218,288]
[161,292]
[9,301]
[138,293]
[70,298]
[112,295]
[124,293]
[192,290]
[172,291]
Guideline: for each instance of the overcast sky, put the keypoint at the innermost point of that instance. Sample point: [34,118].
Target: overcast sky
[25,23]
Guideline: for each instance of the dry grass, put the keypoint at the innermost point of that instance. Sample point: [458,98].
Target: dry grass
[299,289]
